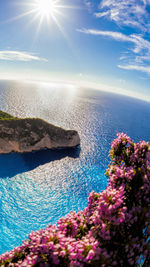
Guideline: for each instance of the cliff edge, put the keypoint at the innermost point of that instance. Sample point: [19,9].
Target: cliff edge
[32,134]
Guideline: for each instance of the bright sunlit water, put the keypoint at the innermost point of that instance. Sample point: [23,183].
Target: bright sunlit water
[36,189]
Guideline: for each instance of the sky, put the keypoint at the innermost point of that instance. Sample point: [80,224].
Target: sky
[97,44]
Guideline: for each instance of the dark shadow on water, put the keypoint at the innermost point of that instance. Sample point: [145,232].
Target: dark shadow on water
[13,164]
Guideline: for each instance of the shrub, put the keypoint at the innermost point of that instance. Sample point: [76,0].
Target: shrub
[114,228]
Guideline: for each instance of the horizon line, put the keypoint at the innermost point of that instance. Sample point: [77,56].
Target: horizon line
[87,85]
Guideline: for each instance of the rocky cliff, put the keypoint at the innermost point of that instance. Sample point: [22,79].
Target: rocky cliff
[27,135]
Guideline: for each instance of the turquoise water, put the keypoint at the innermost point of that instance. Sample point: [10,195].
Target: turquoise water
[38,188]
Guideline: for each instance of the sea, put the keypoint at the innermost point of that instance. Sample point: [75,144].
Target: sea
[36,189]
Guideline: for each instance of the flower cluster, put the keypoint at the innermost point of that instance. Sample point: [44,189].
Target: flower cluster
[114,228]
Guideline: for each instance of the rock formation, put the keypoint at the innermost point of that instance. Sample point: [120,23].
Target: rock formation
[32,134]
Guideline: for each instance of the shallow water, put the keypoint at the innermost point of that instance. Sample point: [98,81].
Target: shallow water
[38,188]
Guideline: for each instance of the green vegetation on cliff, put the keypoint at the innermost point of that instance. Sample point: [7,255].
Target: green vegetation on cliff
[5,116]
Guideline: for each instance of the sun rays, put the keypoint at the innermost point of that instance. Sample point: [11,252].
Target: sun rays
[42,12]
[45,9]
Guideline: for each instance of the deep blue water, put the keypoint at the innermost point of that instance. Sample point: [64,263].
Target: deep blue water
[37,189]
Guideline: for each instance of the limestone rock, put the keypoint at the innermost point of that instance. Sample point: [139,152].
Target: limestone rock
[32,134]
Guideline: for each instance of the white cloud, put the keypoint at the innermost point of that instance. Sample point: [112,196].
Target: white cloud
[114,35]
[19,56]
[139,53]
[145,69]
[139,42]
[101,14]
[134,14]
[140,59]
[126,12]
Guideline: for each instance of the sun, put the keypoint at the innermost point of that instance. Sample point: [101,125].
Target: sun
[46,8]
[45,11]
[41,11]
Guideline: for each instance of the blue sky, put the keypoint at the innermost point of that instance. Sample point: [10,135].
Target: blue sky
[99,44]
